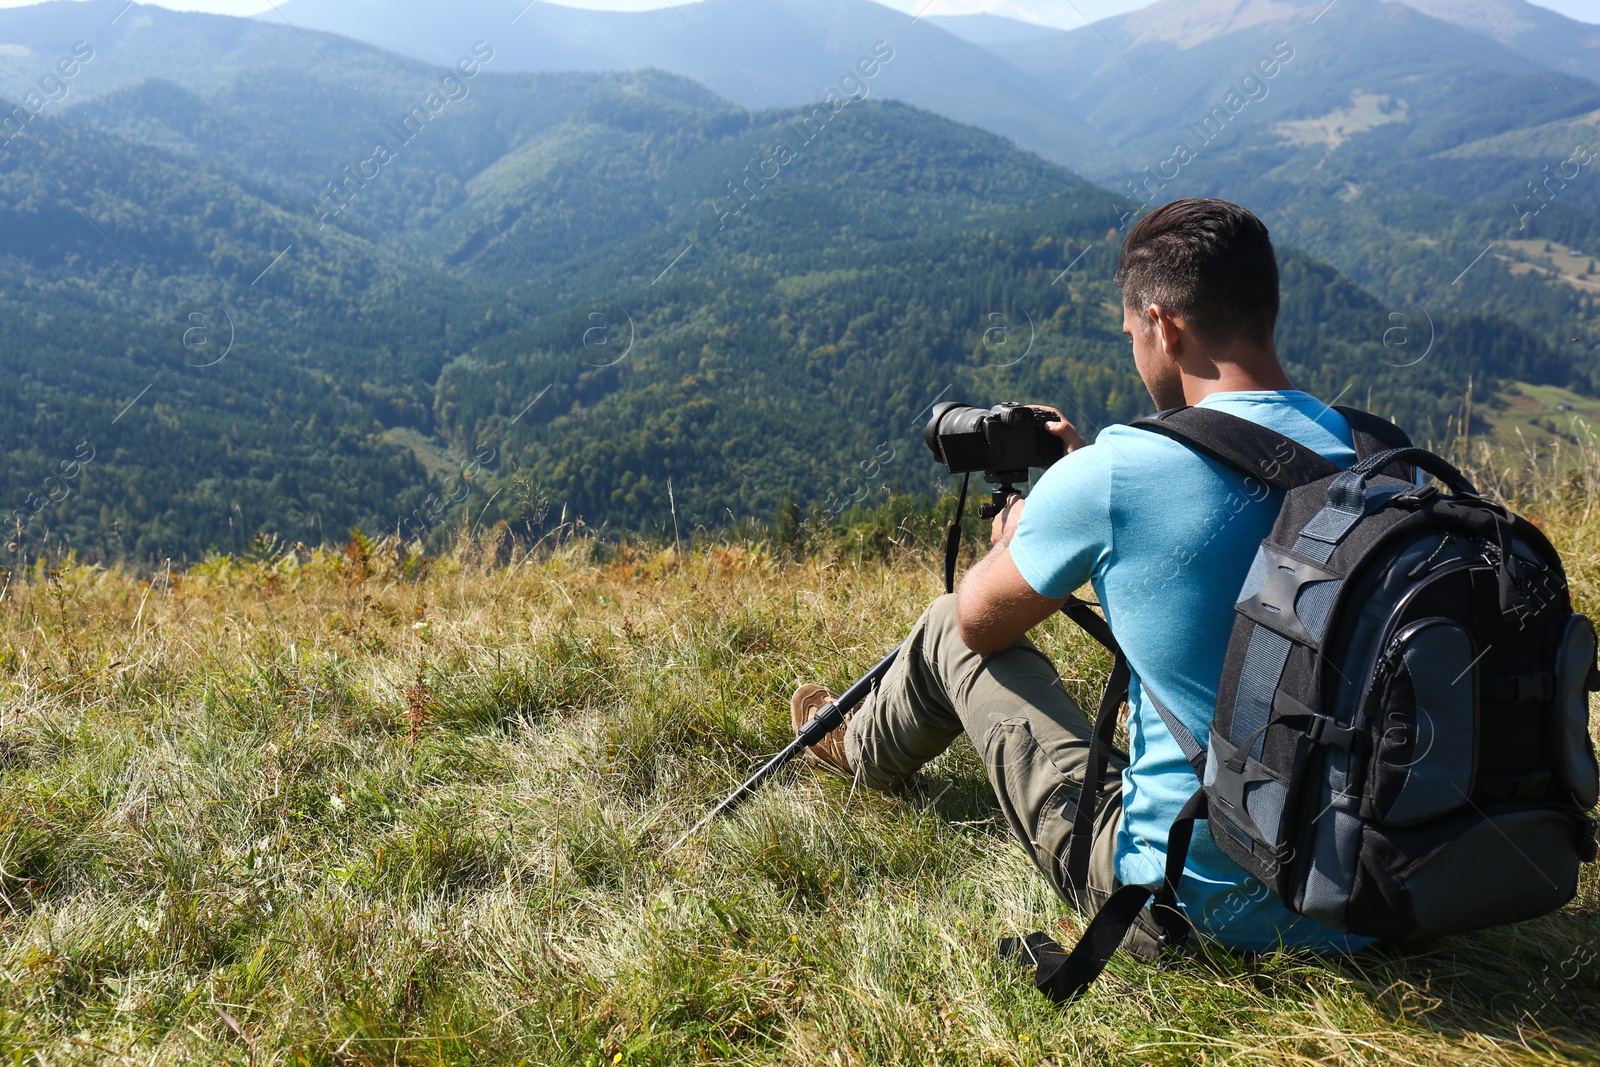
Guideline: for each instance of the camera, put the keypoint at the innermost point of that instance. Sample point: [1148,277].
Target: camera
[1003,442]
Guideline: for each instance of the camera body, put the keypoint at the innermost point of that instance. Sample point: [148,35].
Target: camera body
[1003,442]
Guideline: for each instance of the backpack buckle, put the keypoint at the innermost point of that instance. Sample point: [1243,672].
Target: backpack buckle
[1535,687]
[1521,688]
[1325,731]
[1171,923]
[1416,498]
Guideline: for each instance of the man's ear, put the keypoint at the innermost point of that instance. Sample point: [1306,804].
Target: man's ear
[1170,331]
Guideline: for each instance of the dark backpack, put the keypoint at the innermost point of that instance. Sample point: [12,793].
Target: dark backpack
[1401,744]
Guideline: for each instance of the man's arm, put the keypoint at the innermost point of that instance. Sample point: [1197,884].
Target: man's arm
[995,604]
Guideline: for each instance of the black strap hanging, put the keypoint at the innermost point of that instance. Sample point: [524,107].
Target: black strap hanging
[952,538]
[1058,974]
[1063,976]
[1081,842]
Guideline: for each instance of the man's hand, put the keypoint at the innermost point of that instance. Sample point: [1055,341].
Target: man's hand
[1005,523]
[995,604]
[1070,437]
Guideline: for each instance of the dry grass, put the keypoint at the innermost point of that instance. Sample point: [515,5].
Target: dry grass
[354,808]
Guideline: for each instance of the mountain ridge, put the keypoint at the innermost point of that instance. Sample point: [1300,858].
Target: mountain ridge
[757,53]
[583,288]
[863,278]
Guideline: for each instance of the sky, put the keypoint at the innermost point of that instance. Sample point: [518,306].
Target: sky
[1064,13]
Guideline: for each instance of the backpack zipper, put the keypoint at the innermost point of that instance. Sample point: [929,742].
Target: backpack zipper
[1390,660]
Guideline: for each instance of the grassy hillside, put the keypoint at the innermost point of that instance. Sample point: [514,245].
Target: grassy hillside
[1547,419]
[360,808]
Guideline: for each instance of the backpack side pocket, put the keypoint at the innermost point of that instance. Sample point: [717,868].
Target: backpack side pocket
[1575,760]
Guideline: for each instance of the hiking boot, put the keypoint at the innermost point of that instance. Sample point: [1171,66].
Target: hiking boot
[829,753]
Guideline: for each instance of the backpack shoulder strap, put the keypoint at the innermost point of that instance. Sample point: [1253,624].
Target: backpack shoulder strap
[1075,867]
[1058,974]
[1247,447]
[1063,976]
[1372,435]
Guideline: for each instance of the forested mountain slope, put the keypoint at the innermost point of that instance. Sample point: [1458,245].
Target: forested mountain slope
[273,304]
[1394,141]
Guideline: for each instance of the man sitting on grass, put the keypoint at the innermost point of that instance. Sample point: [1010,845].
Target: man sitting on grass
[1165,536]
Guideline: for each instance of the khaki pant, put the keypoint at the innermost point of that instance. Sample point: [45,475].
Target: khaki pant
[1033,739]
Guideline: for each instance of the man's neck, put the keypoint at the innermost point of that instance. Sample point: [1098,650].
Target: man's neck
[1261,371]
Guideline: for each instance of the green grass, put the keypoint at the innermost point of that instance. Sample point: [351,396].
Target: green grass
[328,812]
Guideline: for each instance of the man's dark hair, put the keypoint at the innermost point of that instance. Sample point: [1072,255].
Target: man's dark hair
[1209,262]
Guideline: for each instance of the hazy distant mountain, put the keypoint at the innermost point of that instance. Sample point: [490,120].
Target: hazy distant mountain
[1145,73]
[1546,37]
[1314,102]
[131,44]
[1381,83]
[588,283]
[420,264]
[758,53]
[990,29]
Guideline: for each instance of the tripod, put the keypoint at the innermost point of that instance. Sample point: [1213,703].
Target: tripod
[831,716]
[999,496]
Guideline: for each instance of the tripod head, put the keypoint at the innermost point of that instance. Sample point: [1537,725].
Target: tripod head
[999,496]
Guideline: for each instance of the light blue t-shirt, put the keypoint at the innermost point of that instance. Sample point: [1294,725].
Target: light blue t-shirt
[1165,536]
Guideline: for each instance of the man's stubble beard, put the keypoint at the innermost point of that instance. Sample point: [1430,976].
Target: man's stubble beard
[1166,393]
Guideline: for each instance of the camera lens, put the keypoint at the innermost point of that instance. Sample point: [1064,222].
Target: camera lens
[955,435]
